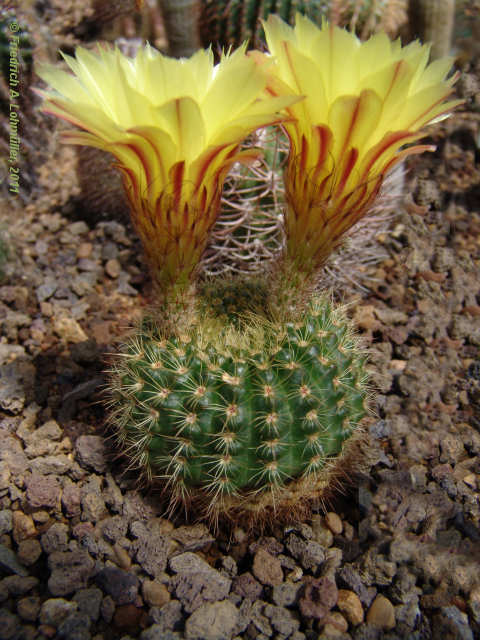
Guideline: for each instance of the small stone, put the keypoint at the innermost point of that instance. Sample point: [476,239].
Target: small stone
[107,609]
[246,586]
[349,577]
[70,571]
[23,526]
[40,517]
[71,499]
[9,562]
[282,620]
[58,465]
[46,290]
[167,617]
[152,548]
[154,593]
[122,558]
[113,528]
[28,608]
[451,624]
[286,594]
[77,228]
[127,616]
[334,523]
[29,551]
[68,329]
[93,507]
[349,604]
[214,621]
[54,611]
[89,602]
[120,585]
[322,534]
[381,613]
[113,268]
[16,380]
[5,521]
[336,625]
[84,250]
[267,568]
[90,453]
[196,581]
[55,538]
[19,585]
[74,627]
[319,596]
[9,625]
[193,538]
[42,491]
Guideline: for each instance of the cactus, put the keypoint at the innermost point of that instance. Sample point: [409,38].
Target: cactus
[230,22]
[223,411]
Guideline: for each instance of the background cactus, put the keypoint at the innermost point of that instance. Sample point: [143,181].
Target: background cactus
[228,22]
[222,411]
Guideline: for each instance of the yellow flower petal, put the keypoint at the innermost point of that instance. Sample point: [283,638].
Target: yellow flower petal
[363,103]
[174,127]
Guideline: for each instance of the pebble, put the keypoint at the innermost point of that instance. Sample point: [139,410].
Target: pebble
[77,228]
[213,621]
[71,499]
[28,608]
[55,610]
[246,586]
[23,526]
[6,522]
[127,617]
[282,620]
[89,602]
[120,585]
[55,538]
[349,604]
[74,627]
[267,568]
[90,453]
[381,613]
[334,523]
[9,562]
[196,581]
[319,596]
[42,491]
[70,571]
[286,594]
[154,593]
[84,250]
[9,625]
[113,268]
[122,558]
[29,551]
[336,625]
[19,585]
[322,534]
[451,624]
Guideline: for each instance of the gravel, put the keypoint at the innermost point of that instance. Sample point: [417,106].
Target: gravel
[85,554]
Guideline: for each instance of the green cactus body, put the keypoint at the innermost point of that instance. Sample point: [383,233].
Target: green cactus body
[231,22]
[223,413]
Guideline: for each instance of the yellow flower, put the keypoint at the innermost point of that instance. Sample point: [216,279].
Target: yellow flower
[363,102]
[174,127]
